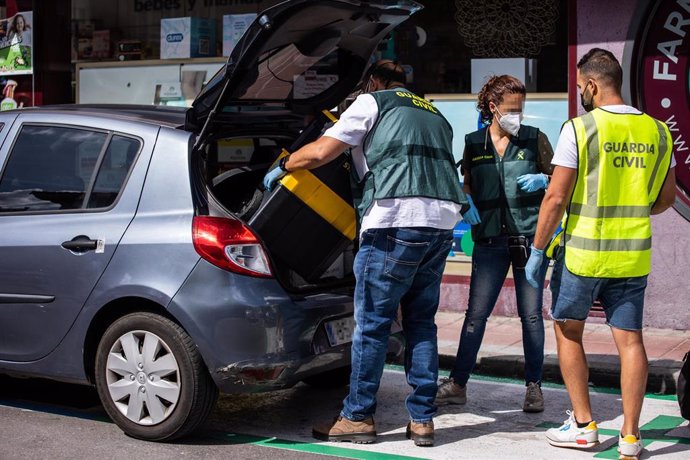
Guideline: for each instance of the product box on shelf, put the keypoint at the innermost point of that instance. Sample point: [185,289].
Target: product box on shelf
[234,26]
[129,50]
[101,44]
[187,37]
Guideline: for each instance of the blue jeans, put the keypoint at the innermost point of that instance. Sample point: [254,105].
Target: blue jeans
[573,296]
[397,267]
[490,262]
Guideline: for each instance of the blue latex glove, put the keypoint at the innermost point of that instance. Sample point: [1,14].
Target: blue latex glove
[536,258]
[532,182]
[472,215]
[273,176]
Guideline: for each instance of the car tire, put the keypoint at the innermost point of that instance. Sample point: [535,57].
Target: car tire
[146,351]
[335,378]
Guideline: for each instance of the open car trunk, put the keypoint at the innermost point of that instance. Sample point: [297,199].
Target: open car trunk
[306,223]
[297,59]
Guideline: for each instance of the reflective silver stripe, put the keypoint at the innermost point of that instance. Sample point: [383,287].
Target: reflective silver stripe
[663,144]
[589,244]
[592,136]
[600,212]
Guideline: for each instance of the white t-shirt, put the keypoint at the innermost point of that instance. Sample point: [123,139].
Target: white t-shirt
[566,150]
[352,128]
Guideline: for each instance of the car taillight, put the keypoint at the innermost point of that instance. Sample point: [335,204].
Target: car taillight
[230,245]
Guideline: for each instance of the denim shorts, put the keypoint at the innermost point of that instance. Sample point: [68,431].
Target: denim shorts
[574,295]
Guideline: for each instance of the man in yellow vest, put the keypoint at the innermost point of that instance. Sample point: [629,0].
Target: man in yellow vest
[613,168]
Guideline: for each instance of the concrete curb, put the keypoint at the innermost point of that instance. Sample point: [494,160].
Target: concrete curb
[604,370]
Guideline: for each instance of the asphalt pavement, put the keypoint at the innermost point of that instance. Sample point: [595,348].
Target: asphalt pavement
[45,420]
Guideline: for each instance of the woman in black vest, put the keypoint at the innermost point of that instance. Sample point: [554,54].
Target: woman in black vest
[506,168]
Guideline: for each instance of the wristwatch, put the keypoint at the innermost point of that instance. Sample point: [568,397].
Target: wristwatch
[281,163]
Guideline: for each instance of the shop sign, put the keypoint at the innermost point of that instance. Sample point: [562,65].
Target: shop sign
[15,44]
[170,5]
[662,89]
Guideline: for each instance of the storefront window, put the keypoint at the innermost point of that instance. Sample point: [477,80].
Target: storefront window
[99,27]
[440,42]
[449,47]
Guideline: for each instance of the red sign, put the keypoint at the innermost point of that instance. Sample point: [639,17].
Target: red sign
[662,88]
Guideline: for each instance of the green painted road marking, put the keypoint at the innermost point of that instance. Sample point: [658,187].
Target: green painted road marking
[319,449]
[558,386]
[654,431]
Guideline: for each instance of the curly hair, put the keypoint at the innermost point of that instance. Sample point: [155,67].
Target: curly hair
[494,90]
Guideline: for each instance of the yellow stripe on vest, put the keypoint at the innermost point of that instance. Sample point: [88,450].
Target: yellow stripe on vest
[320,198]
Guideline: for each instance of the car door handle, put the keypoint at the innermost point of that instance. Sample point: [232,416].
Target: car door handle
[81,243]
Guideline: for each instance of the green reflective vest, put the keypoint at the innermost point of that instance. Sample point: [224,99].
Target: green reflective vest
[623,160]
[408,152]
[504,208]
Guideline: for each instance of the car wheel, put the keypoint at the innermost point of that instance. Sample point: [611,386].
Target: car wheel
[334,378]
[151,379]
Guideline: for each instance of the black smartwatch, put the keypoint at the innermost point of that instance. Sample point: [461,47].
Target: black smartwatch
[281,163]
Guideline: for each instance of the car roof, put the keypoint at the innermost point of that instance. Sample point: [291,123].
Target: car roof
[173,117]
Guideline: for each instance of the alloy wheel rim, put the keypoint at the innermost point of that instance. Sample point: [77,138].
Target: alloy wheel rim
[143,377]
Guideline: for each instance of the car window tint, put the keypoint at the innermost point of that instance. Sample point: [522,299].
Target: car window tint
[118,160]
[49,168]
[287,73]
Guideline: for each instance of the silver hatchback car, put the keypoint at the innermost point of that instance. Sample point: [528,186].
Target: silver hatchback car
[128,256]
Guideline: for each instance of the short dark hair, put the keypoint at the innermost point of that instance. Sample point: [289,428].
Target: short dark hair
[602,65]
[388,72]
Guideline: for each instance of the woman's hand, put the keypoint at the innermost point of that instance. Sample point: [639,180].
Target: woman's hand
[472,215]
[533,182]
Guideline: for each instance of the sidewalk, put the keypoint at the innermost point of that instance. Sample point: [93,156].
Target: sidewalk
[501,351]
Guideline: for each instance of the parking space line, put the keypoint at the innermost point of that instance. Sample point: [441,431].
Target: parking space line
[313,448]
[654,431]
[232,438]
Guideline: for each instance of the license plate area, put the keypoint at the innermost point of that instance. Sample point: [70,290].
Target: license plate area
[339,331]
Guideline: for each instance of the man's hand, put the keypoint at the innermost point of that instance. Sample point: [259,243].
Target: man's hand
[532,182]
[272,176]
[472,214]
[536,258]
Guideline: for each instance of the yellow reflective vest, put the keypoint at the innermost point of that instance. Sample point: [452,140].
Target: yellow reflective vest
[623,160]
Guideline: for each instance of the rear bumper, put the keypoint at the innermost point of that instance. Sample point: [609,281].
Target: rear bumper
[253,336]
[280,372]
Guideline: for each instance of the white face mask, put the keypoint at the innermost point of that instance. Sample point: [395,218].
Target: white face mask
[510,122]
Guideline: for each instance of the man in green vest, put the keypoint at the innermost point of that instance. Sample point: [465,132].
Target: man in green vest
[409,200]
[614,167]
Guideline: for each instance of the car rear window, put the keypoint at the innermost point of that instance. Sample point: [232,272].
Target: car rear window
[52,168]
[114,169]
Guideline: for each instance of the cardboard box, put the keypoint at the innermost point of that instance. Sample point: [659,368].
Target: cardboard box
[82,28]
[234,26]
[187,37]
[101,44]
[84,48]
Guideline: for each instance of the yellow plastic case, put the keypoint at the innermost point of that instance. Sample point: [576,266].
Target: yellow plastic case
[308,220]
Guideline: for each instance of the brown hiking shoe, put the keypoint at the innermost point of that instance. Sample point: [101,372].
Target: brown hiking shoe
[450,392]
[342,429]
[421,433]
[534,398]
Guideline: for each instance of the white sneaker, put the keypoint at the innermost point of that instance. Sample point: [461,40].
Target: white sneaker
[629,447]
[569,435]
